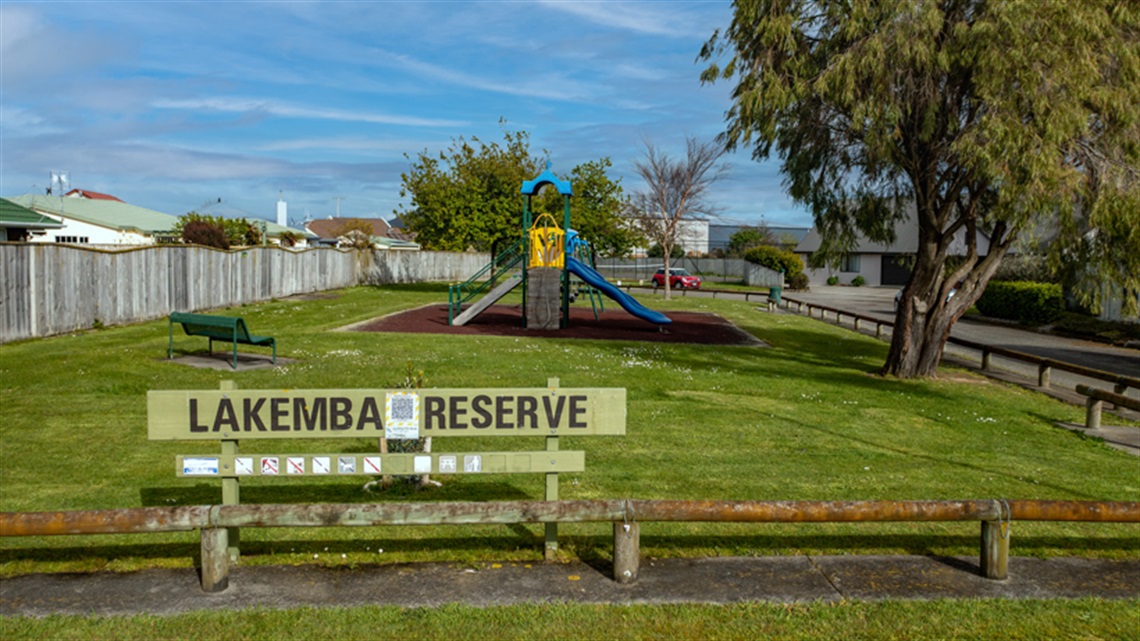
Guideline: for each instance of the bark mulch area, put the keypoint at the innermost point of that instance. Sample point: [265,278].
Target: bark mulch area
[613,324]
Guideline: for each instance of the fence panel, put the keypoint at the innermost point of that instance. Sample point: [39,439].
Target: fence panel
[50,289]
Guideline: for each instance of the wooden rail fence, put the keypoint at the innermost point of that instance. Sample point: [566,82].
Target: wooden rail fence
[626,516]
[1045,366]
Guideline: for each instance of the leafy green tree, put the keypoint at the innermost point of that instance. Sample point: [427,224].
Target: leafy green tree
[975,115]
[237,232]
[748,238]
[469,196]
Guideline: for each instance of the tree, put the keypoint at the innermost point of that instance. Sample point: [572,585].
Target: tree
[748,238]
[977,116]
[469,197]
[675,191]
[203,232]
[354,233]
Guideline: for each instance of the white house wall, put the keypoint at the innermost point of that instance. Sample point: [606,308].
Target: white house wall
[870,268]
[95,234]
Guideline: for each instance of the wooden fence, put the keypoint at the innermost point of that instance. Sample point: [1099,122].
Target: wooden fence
[626,516]
[52,289]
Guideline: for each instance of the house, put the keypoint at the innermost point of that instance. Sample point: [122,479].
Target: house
[332,231]
[98,221]
[879,263]
[20,224]
[90,195]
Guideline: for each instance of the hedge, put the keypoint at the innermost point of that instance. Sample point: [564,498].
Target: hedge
[1022,301]
[776,259]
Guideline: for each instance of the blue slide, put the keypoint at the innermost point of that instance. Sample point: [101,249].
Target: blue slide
[629,303]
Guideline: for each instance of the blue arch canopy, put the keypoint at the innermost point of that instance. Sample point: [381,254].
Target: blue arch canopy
[531,187]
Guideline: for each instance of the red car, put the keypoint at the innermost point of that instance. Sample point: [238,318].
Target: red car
[678,279]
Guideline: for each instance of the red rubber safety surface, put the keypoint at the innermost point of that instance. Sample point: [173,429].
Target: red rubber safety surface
[612,324]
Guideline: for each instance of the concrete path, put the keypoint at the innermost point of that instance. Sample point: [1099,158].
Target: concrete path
[716,580]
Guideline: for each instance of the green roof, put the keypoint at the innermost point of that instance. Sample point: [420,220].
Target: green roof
[13,215]
[105,213]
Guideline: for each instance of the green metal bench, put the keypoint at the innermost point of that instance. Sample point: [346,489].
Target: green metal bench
[219,328]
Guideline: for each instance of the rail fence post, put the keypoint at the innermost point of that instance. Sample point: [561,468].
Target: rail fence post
[856,323]
[1119,388]
[1043,372]
[550,547]
[215,559]
[995,547]
[985,358]
[231,488]
[1092,415]
[627,551]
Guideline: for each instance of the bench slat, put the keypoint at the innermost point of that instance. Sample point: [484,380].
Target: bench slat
[223,328]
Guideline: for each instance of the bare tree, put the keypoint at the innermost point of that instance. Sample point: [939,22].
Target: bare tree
[675,190]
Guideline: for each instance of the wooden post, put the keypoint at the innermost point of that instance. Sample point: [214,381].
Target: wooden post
[1092,415]
[856,323]
[627,551]
[878,330]
[1043,372]
[1119,388]
[550,549]
[995,549]
[985,358]
[231,490]
[215,559]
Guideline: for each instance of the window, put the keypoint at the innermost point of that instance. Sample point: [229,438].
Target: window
[75,240]
[850,263]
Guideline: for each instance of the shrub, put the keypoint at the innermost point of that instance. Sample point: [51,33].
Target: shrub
[833,280]
[799,282]
[775,259]
[204,232]
[1022,301]
[858,281]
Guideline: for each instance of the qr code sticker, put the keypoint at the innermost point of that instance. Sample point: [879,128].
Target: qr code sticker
[403,408]
[402,415]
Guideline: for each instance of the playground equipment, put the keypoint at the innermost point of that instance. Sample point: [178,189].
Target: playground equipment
[552,254]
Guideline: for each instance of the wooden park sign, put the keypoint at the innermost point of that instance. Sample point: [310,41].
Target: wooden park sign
[231,415]
[392,414]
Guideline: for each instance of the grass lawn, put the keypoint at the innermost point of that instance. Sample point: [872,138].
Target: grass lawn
[981,619]
[804,419]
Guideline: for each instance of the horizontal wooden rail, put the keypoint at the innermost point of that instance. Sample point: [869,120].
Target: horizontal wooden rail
[995,516]
[1044,365]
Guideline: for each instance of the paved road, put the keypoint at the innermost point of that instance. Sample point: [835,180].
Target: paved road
[787,579]
[877,302]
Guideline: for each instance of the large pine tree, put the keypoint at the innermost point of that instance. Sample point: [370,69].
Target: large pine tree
[1004,117]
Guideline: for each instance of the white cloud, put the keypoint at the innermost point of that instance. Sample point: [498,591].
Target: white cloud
[548,87]
[645,18]
[18,122]
[270,107]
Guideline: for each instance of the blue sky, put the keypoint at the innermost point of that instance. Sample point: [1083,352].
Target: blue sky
[168,105]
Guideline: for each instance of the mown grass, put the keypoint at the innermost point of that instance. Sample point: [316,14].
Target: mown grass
[806,418]
[972,619]
[803,419]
